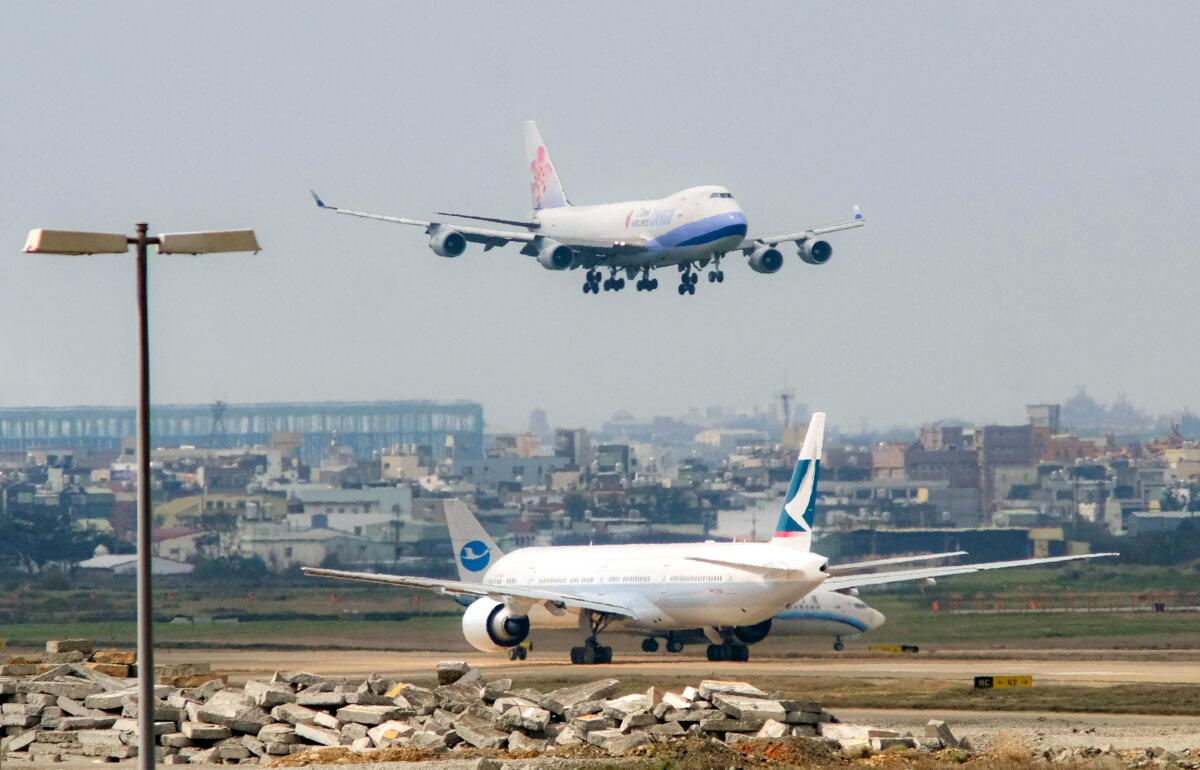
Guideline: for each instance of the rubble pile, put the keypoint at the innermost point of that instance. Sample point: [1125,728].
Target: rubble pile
[58,708]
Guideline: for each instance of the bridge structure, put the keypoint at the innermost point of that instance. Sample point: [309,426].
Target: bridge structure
[365,426]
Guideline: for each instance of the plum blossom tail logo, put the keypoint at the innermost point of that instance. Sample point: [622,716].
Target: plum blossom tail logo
[541,170]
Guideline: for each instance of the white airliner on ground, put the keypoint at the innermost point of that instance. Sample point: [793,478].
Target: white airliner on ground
[688,230]
[731,591]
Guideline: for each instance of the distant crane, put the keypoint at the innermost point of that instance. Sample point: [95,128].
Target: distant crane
[218,423]
[786,397]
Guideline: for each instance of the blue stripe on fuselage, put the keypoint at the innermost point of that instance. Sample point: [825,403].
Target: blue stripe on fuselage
[814,615]
[707,230]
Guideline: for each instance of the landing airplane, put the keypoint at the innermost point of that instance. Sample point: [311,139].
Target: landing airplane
[688,230]
[731,591]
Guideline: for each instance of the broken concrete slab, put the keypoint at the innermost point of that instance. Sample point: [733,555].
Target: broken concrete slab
[529,718]
[450,671]
[479,731]
[743,707]
[267,695]
[616,742]
[519,741]
[773,729]
[370,715]
[69,645]
[558,701]
[235,711]
[317,734]
[939,730]
[389,733]
[321,698]
[292,713]
[709,687]
[204,731]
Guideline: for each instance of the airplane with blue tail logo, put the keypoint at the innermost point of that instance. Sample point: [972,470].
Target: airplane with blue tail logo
[731,591]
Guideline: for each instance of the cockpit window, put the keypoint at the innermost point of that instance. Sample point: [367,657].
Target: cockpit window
[721,195]
[860,606]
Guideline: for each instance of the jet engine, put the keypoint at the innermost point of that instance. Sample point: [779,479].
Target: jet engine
[815,252]
[447,243]
[753,634]
[555,256]
[489,626]
[766,259]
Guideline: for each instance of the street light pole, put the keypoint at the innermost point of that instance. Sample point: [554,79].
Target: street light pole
[74,243]
[145,518]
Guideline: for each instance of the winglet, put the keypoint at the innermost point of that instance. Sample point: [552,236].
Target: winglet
[317,198]
[857,211]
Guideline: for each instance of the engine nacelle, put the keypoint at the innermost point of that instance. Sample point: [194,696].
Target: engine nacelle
[447,243]
[766,259]
[489,626]
[753,634]
[815,252]
[555,256]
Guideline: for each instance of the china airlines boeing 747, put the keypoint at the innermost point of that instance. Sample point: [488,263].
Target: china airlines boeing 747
[689,230]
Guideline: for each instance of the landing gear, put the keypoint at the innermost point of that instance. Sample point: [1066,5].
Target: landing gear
[650,644]
[674,645]
[591,283]
[646,283]
[728,651]
[838,645]
[688,281]
[716,275]
[520,652]
[592,651]
[612,283]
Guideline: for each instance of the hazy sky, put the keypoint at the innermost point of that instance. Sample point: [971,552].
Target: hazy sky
[1029,172]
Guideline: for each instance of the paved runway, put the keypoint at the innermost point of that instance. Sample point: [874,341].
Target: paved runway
[242,664]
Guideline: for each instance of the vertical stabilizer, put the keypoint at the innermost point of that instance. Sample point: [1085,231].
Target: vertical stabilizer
[796,519]
[474,549]
[546,188]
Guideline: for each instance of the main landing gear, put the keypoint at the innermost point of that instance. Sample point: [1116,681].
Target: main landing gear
[592,651]
[716,275]
[650,644]
[728,651]
[646,283]
[838,645]
[613,283]
[688,281]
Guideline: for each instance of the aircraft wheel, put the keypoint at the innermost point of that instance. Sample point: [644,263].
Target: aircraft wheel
[692,288]
[716,652]
[653,284]
[620,284]
[741,653]
[695,278]
[682,289]
[720,276]
[577,655]
[650,645]
[838,645]
[674,645]
[712,277]
[603,655]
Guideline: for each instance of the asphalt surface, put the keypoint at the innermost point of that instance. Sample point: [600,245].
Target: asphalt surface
[246,664]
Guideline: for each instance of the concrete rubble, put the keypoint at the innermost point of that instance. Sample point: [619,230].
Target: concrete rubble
[52,710]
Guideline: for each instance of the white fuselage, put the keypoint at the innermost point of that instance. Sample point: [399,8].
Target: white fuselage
[666,586]
[828,613]
[690,225]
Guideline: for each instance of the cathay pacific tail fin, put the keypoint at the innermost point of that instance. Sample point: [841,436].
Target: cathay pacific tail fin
[796,519]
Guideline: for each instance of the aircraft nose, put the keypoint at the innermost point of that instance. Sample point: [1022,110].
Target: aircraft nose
[876,619]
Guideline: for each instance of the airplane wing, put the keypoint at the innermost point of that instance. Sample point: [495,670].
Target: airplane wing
[460,588]
[488,236]
[835,568]
[799,236]
[841,582]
